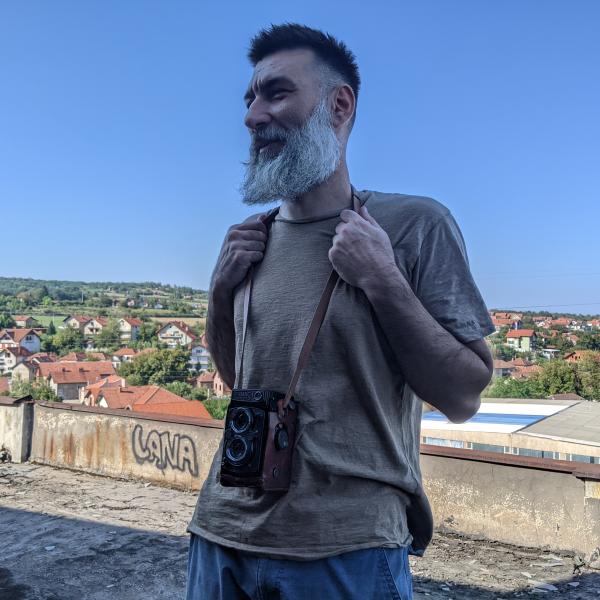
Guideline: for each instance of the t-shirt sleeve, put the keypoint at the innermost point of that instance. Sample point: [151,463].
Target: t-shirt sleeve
[443,282]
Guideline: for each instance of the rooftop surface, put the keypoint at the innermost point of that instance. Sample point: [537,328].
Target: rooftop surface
[71,536]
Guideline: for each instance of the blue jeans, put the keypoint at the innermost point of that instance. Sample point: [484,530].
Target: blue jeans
[219,573]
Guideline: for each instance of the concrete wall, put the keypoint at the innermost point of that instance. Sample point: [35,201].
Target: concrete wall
[172,451]
[519,500]
[528,502]
[16,418]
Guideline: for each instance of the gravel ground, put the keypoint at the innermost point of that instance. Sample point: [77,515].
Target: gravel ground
[66,535]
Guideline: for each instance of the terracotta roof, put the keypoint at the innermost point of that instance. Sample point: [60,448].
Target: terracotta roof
[568,396]
[125,352]
[17,335]
[501,321]
[147,351]
[82,356]
[525,372]
[503,364]
[110,381]
[4,385]
[517,333]
[185,408]
[44,357]
[18,351]
[132,321]
[520,362]
[79,318]
[139,395]
[206,377]
[76,372]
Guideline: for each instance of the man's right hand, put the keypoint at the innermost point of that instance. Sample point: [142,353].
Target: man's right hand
[244,245]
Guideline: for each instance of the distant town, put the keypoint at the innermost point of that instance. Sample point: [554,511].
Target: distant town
[141,347]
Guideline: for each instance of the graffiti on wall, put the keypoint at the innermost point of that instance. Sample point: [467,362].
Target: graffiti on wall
[164,450]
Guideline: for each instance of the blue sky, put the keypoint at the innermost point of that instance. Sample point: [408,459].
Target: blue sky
[121,134]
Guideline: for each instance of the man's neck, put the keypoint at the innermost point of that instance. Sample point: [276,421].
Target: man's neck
[332,195]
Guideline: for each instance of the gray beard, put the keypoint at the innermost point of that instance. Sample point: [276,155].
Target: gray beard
[310,155]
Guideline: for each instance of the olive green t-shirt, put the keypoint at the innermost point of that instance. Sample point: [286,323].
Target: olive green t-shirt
[356,460]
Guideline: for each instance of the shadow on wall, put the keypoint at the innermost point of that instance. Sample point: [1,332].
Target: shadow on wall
[46,557]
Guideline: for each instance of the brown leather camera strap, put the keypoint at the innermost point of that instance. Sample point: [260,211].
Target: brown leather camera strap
[315,324]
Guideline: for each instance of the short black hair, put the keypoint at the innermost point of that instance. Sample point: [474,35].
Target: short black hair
[290,36]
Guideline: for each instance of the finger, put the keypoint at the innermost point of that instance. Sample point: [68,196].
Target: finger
[255,256]
[366,215]
[257,225]
[348,215]
[248,245]
[248,234]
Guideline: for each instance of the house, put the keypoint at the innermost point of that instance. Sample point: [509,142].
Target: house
[94,326]
[549,352]
[502,368]
[500,322]
[594,324]
[88,395]
[129,327]
[83,356]
[150,399]
[205,380]
[11,357]
[176,333]
[75,322]
[25,371]
[200,358]
[220,388]
[522,340]
[123,355]
[520,362]
[67,378]
[25,338]
[43,357]
[525,372]
[577,355]
[26,321]
[562,322]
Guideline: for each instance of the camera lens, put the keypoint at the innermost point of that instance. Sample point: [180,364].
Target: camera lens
[241,420]
[258,395]
[238,451]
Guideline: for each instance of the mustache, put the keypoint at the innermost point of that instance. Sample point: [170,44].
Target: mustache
[270,133]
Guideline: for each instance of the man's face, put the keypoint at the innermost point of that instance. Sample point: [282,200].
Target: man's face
[293,145]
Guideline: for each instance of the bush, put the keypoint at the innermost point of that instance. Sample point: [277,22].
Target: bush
[217,407]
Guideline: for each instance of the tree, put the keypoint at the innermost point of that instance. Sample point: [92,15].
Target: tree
[68,340]
[556,377]
[157,368]
[589,341]
[51,329]
[507,387]
[6,321]
[38,390]
[110,336]
[588,371]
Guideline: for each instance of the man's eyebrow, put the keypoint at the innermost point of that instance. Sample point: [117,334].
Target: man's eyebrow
[268,84]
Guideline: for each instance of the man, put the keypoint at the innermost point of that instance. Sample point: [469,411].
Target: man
[405,322]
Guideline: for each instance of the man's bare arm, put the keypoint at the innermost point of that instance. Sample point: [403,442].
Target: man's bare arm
[441,370]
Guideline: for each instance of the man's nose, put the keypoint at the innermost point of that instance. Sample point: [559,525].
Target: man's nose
[257,115]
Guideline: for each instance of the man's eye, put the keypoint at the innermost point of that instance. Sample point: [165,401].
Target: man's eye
[278,96]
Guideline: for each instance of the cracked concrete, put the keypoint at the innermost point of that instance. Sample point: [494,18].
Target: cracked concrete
[66,535]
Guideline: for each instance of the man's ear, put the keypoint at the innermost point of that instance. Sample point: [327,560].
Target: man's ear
[344,104]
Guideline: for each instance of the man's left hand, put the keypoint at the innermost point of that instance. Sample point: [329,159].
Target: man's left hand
[361,252]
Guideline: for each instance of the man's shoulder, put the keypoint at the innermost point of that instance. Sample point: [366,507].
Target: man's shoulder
[403,215]
[405,204]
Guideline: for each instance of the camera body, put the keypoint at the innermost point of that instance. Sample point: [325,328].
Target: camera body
[258,442]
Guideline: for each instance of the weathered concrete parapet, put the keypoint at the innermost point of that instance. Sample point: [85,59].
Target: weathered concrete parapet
[175,451]
[16,422]
[519,500]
